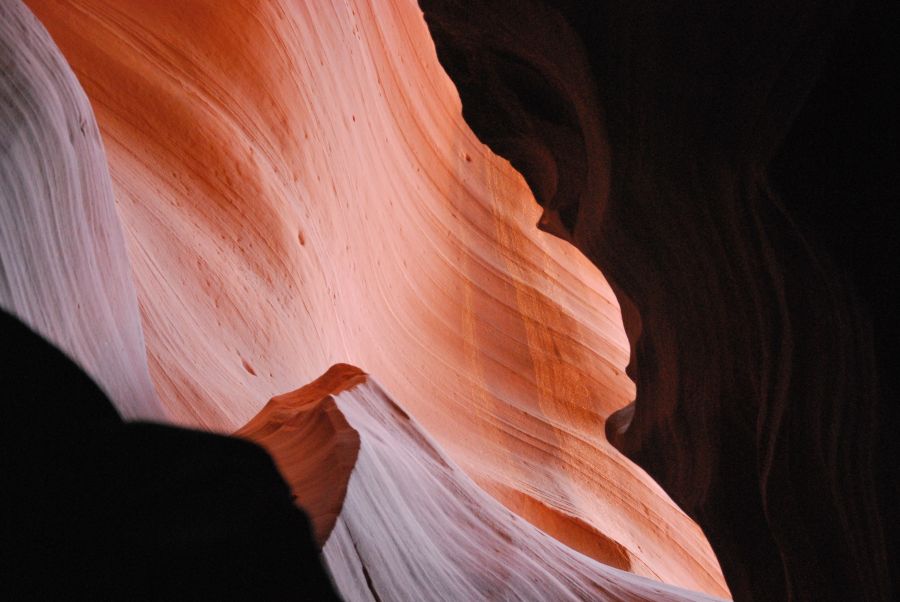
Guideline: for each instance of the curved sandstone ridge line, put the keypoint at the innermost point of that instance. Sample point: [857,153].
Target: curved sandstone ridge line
[63,265]
[312,444]
[415,527]
[298,187]
[742,213]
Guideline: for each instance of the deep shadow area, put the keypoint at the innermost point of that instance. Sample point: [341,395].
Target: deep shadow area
[96,508]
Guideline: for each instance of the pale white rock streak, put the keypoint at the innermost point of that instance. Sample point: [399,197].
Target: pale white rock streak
[415,527]
[64,268]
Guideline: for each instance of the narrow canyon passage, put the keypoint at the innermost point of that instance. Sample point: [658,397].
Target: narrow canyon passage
[305,298]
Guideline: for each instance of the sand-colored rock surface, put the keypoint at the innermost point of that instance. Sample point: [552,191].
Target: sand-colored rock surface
[63,264]
[298,188]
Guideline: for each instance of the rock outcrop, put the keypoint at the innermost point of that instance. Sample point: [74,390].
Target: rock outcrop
[312,444]
[298,187]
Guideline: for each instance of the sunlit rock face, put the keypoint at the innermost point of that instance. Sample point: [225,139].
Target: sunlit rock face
[690,151]
[298,188]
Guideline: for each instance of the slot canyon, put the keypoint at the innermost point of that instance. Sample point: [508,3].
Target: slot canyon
[448,300]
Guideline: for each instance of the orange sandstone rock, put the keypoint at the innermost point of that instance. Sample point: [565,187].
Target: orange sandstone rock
[312,444]
[724,165]
[299,188]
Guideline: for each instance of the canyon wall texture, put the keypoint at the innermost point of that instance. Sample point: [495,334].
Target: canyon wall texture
[298,188]
[413,526]
[720,164]
[94,507]
[63,265]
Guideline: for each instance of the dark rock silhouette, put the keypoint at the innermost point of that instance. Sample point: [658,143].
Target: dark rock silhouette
[95,507]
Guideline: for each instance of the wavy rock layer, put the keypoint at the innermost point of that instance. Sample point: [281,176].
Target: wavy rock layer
[63,265]
[415,527]
[298,188]
[744,218]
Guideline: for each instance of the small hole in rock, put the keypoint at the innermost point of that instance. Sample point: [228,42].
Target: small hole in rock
[248,367]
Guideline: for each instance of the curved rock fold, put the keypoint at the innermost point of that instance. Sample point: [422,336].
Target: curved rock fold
[413,525]
[298,188]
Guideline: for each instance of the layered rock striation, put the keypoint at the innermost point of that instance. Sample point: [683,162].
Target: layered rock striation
[298,188]
[414,526]
[64,268]
[721,165]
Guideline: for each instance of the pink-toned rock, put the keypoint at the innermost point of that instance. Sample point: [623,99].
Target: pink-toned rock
[299,188]
[724,164]
[413,525]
